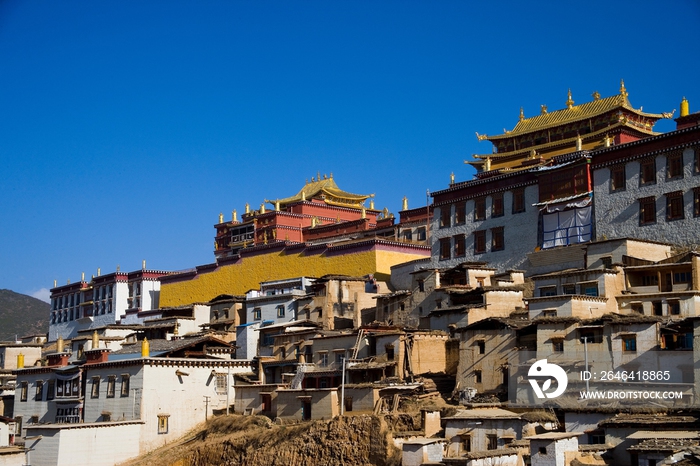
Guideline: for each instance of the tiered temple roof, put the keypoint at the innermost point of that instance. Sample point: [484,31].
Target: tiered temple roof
[535,140]
[324,189]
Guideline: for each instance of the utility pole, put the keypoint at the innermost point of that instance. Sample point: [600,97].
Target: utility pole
[342,386]
[206,407]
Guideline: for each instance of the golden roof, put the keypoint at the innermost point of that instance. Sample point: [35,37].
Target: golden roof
[572,114]
[327,190]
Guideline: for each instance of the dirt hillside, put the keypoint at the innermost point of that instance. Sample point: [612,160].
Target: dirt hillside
[256,441]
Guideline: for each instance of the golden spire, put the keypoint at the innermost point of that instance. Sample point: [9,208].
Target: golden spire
[522,115]
[143,264]
[452,178]
[247,208]
[303,195]
[623,90]
[234,215]
[685,107]
[543,109]
[277,205]
[221,217]
[364,212]
[404,206]
[262,208]
[318,176]
[59,345]
[99,271]
[95,340]
[569,101]
[371,204]
[54,283]
[487,164]
[82,276]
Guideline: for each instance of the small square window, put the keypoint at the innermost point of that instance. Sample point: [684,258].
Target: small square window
[497,239]
[617,178]
[479,208]
[492,442]
[647,171]
[445,216]
[481,345]
[479,241]
[674,206]
[125,385]
[163,423]
[629,343]
[647,210]
[460,213]
[445,246]
[257,314]
[95,392]
[497,205]
[280,311]
[477,376]
[674,166]
[558,345]
[39,390]
[518,201]
[111,382]
[460,246]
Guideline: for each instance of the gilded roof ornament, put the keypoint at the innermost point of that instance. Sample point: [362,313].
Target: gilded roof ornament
[481,137]
[543,109]
[623,90]
[522,115]
[569,101]
[371,204]
[404,205]
[221,217]
[247,208]
[234,215]
[452,178]
[596,95]
[669,115]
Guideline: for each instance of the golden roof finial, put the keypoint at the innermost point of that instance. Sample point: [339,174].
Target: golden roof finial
[596,95]
[277,205]
[262,208]
[569,101]
[318,176]
[371,204]
[522,115]
[55,283]
[404,205]
[487,164]
[247,208]
[543,109]
[331,176]
[95,340]
[82,276]
[685,107]
[234,215]
[303,195]
[623,90]
[364,212]
[452,178]
[221,217]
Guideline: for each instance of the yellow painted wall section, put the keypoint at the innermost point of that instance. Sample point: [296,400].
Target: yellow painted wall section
[278,265]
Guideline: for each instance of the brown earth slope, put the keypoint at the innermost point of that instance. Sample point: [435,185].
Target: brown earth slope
[256,441]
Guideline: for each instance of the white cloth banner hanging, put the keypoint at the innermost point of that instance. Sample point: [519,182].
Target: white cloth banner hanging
[566,227]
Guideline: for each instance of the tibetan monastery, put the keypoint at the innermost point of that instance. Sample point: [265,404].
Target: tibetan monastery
[592,125]
[320,230]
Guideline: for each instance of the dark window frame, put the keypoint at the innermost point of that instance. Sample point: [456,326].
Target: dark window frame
[479,241]
[647,210]
[497,207]
[519,200]
[618,178]
[675,209]
[480,208]
[498,239]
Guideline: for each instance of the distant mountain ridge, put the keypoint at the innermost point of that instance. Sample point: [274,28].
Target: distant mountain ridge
[22,315]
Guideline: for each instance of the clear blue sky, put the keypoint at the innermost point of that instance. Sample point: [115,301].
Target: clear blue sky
[126,127]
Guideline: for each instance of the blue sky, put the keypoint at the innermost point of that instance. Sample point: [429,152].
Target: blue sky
[126,127]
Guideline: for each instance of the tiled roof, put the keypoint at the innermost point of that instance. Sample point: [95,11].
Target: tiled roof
[570,115]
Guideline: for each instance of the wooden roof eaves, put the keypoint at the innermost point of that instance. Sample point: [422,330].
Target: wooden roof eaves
[522,153]
[571,115]
[479,182]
